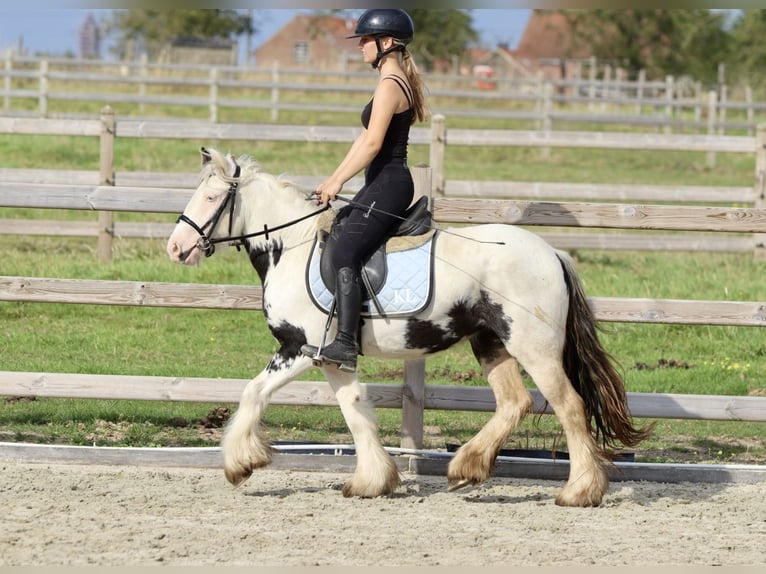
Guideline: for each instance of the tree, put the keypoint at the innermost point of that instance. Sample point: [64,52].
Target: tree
[747,33]
[674,42]
[152,29]
[440,34]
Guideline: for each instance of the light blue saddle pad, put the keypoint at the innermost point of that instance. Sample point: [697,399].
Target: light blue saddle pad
[407,288]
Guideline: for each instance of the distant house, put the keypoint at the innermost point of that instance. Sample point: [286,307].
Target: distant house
[311,41]
[546,44]
[192,50]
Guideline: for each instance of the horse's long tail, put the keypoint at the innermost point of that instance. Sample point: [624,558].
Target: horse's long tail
[592,373]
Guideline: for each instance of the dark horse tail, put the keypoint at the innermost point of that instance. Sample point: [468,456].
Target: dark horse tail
[592,373]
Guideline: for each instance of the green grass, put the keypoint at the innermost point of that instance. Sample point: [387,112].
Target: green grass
[236,344]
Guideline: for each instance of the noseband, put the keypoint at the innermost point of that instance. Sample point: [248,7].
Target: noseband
[204,242]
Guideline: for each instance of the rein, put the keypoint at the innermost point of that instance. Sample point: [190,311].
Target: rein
[207,244]
[238,239]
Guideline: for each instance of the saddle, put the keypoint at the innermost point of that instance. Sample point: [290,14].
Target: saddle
[413,231]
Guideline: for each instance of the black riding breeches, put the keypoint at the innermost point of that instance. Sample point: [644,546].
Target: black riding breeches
[378,207]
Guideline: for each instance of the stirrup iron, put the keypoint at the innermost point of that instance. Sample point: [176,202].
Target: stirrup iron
[316,356]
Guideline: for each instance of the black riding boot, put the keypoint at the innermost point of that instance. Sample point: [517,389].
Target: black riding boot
[348,300]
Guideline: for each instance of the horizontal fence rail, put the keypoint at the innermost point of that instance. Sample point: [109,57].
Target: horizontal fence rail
[177,129]
[480,188]
[669,217]
[474,211]
[436,397]
[245,297]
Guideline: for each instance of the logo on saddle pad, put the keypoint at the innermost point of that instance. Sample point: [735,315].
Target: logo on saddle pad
[397,278]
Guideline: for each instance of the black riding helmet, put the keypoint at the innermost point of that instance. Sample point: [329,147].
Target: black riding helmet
[380,23]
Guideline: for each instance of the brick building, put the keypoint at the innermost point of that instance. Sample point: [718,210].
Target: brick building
[314,41]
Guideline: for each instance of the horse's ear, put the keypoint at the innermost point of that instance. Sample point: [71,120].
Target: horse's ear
[231,164]
[205,156]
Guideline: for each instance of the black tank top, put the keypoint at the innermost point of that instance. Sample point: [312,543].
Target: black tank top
[397,135]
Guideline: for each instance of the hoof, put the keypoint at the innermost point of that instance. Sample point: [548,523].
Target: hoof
[468,470]
[237,478]
[586,503]
[350,491]
[238,471]
[380,485]
[579,499]
[457,484]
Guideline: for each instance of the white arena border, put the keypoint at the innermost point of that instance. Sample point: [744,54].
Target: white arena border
[424,462]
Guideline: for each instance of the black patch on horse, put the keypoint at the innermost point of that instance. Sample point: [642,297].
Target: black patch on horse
[290,339]
[262,257]
[428,335]
[492,316]
[486,346]
[465,320]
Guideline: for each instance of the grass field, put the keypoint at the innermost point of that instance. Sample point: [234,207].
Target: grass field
[206,343]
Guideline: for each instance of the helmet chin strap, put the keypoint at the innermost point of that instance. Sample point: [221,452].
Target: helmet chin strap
[382,53]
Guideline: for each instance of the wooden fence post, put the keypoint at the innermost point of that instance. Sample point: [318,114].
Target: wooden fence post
[275,92]
[7,81]
[213,101]
[640,91]
[436,155]
[414,386]
[722,111]
[106,177]
[546,116]
[760,186]
[42,95]
[669,93]
[143,72]
[539,88]
[712,98]
[606,86]
[699,103]
[592,75]
[575,90]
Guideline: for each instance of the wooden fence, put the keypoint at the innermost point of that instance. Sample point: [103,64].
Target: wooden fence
[94,191]
[413,396]
[30,86]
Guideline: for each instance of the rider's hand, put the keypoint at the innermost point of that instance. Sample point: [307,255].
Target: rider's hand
[327,191]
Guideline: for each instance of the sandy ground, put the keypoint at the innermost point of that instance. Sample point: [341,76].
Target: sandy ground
[117,515]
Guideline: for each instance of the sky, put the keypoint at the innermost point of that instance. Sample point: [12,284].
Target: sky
[56,31]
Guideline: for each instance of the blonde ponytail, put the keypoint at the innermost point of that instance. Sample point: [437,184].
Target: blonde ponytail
[413,77]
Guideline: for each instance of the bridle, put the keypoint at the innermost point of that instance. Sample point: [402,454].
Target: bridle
[206,244]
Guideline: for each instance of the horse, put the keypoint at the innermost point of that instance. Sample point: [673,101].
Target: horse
[515,298]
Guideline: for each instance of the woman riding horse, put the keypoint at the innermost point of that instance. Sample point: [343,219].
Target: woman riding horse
[381,150]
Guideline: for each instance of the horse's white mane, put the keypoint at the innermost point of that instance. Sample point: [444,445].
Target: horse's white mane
[222,165]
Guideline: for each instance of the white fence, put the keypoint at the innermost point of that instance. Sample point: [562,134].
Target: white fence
[36,86]
[90,190]
[413,395]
